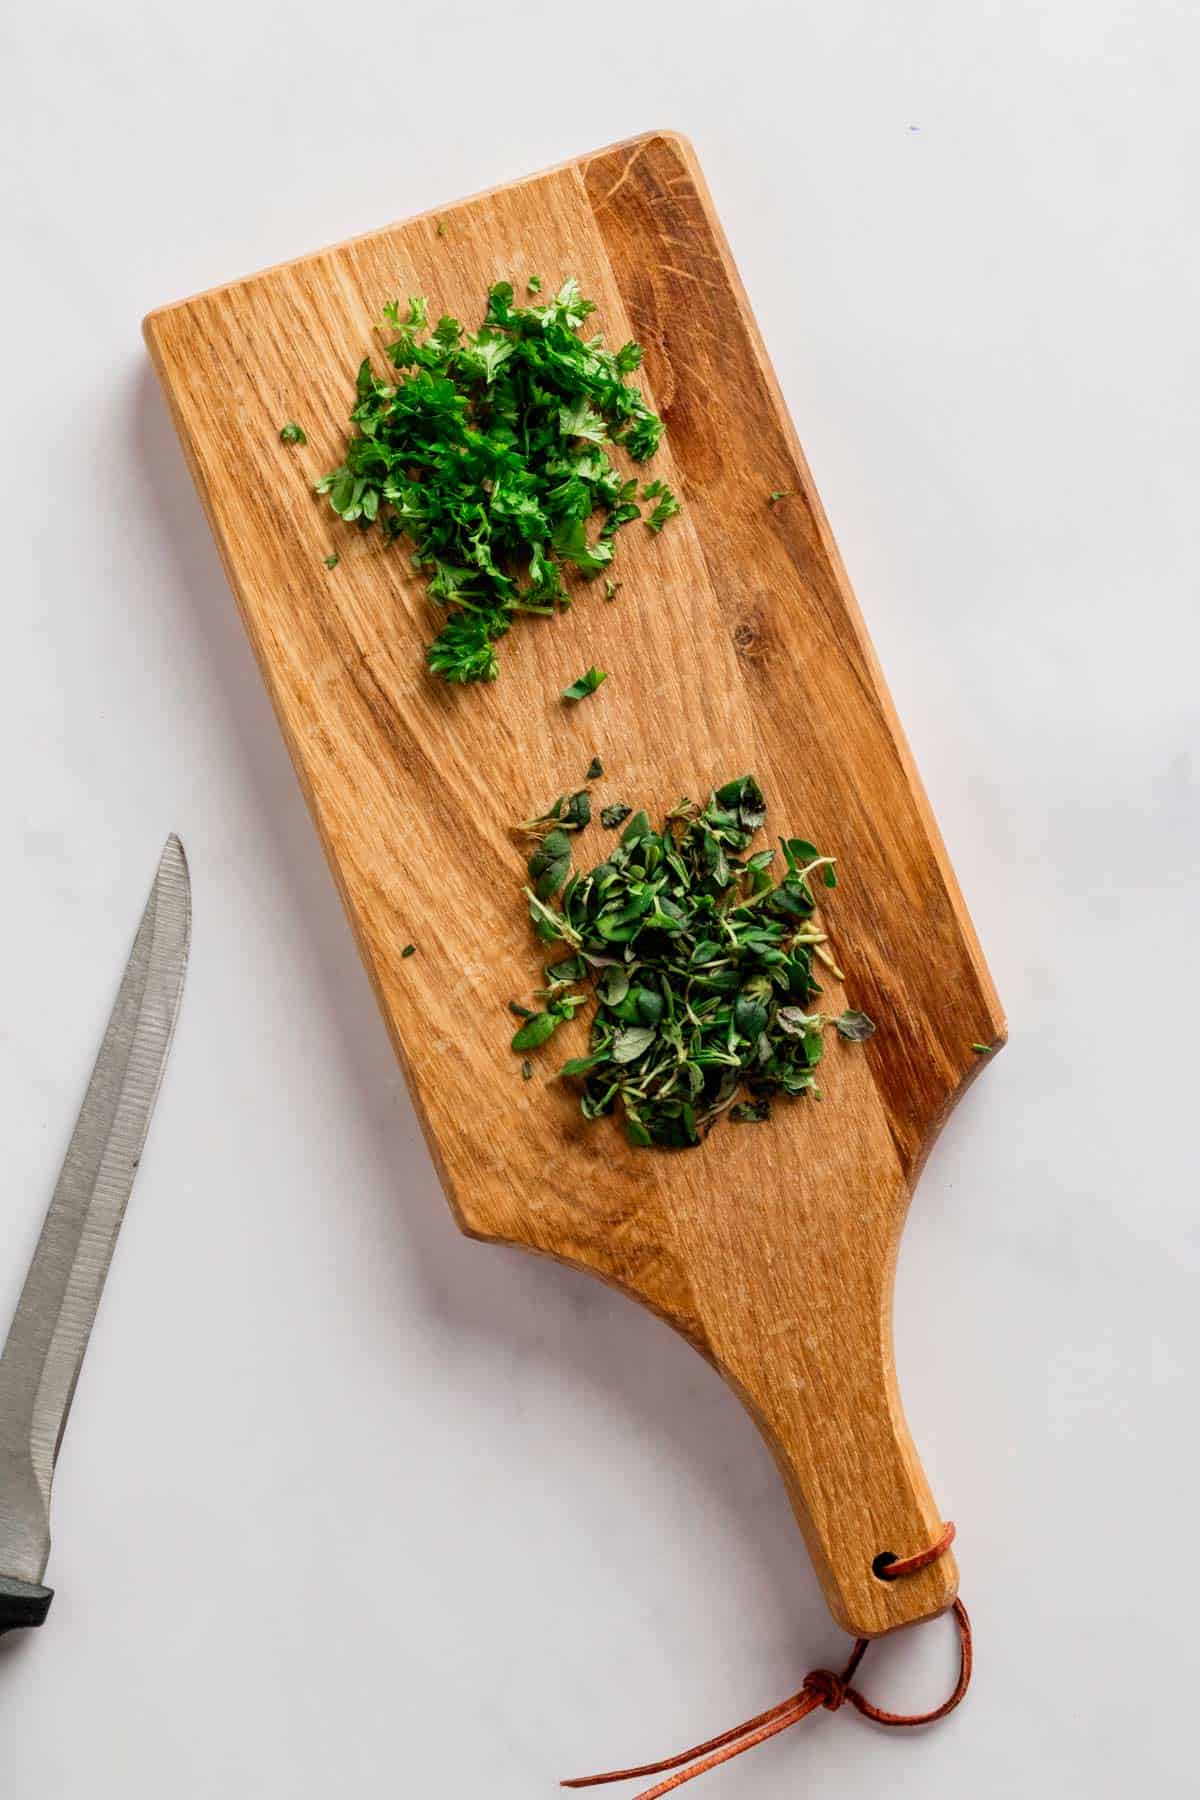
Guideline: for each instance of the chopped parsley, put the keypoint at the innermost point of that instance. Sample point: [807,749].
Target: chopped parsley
[666,509]
[292,434]
[700,964]
[585,684]
[490,451]
[332,560]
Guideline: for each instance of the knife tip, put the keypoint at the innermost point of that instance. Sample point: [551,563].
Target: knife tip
[173,863]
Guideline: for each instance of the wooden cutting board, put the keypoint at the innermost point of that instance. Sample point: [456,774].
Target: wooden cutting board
[735,644]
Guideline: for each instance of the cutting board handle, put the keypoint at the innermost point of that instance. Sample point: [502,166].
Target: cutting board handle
[822,1389]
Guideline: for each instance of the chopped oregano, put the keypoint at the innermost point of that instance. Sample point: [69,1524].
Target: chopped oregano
[534,284]
[585,684]
[611,588]
[595,769]
[570,812]
[409,950]
[750,1112]
[527,1070]
[855,1025]
[550,864]
[614,815]
[700,964]
[536,1029]
[332,560]
[542,1025]
[778,494]
[490,450]
[292,433]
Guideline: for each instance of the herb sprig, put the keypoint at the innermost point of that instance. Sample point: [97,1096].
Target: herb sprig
[488,449]
[701,965]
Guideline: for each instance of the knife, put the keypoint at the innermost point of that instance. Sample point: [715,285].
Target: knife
[40,1363]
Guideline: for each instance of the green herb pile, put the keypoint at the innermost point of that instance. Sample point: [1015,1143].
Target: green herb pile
[488,451]
[701,965]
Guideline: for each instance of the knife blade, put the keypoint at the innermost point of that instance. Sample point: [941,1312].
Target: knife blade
[42,1355]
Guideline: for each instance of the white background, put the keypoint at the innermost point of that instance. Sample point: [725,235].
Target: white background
[349,1506]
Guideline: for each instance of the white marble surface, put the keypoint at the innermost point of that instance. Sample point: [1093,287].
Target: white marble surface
[349,1506]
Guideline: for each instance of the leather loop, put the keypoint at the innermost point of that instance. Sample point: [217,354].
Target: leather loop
[821,1687]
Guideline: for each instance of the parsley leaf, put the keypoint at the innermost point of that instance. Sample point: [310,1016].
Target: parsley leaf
[666,509]
[585,684]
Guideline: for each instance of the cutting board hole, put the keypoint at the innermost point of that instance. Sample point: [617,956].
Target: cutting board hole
[882,1562]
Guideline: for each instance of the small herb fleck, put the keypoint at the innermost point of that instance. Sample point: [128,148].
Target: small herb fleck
[614,815]
[612,588]
[291,434]
[534,284]
[441,227]
[778,494]
[518,1011]
[332,560]
[409,950]
[982,1049]
[585,684]
[527,1070]
[595,769]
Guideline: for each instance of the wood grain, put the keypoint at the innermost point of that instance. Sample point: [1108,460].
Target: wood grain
[735,644]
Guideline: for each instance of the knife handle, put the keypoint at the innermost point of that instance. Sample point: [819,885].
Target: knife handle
[22,1603]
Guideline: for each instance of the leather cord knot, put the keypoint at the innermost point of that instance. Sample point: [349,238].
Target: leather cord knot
[828,1689]
[822,1687]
